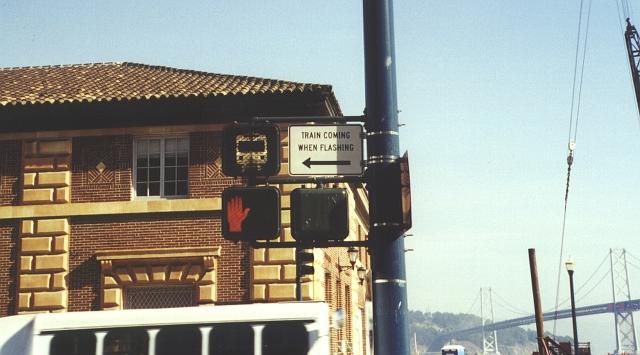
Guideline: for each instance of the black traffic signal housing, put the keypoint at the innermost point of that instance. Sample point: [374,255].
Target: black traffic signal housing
[251,149]
[319,214]
[302,258]
[250,213]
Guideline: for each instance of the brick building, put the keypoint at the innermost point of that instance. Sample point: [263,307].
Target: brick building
[110,195]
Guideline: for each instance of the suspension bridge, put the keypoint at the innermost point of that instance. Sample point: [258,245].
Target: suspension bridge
[622,306]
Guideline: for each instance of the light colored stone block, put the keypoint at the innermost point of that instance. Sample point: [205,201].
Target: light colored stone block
[285,217]
[35,245]
[207,293]
[63,163]
[61,243]
[209,277]
[62,195]
[27,226]
[111,297]
[282,292]
[110,281]
[123,275]
[284,169]
[194,273]
[282,255]
[177,272]
[25,263]
[59,281]
[50,300]
[54,178]
[53,226]
[34,282]
[57,147]
[285,154]
[29,179]
[259,293]
[286,234]
[37,195]
[24,300]
[285,201]
[38,164]
[159,272]
[259,255]
[140,273]
[287,188]
[52,263]
[266,273]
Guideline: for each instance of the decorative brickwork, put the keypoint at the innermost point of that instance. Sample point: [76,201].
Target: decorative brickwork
[46,171]
[44,265]
[175,230]
[102,169]
[10,172]
[205,167]
[8,267]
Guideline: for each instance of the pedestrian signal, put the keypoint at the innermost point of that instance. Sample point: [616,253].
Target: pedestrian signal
[319,214]
[302,258]
[251,149]
[250,213]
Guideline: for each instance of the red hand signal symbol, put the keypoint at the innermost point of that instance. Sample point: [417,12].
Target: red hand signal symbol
[236,214]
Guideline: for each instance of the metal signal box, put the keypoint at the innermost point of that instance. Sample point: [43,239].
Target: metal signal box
[250,213]
[251,149]
[319,214]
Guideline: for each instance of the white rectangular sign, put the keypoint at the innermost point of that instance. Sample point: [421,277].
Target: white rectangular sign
[325,150]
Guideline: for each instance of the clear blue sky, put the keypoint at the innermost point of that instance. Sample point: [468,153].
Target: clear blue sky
[485,93]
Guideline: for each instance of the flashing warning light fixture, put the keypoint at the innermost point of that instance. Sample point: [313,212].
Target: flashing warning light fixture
[251,149]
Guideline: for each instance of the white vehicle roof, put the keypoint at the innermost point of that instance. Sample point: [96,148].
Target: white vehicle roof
[48,322]
[453,347]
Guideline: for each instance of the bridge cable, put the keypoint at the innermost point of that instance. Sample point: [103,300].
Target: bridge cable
[595,286]
[572,129]
[508,306]
[474,303]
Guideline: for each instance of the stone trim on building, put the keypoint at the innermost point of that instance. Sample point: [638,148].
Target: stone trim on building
[47,171]
[44,265]
[166,266]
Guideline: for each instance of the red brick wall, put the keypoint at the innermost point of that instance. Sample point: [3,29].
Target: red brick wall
[10,171]
[205,176]
[91,234]
[8,267]
[88,183]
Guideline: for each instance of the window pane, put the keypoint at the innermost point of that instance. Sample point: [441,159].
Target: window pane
[170,145]
[154,174]
[183,159]
[154,160]
[170,188]
[141,189]
[183,144]
[142,175]
[129,341]
[142,161]
[73,343]
[143,146]
[179,340]
[170,159]
[154,146]
[170,174]
[231,339]
[289,338]
[182,173]
[154,189]
[181,188]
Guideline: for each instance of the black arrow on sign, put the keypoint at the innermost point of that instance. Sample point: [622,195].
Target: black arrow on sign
[308,162]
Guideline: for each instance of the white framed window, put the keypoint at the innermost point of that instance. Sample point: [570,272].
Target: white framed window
[161,167]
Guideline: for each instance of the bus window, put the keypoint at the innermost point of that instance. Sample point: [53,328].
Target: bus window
[73,343]
[289,338]
[231,339]
[126,341]
[178,340]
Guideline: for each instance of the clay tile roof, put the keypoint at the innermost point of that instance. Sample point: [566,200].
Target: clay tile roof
[130,81]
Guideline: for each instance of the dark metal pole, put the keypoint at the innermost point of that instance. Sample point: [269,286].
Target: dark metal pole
[298,274]
[536,301]
[573,313]
[390,314]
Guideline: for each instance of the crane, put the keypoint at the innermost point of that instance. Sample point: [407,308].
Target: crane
[632,40]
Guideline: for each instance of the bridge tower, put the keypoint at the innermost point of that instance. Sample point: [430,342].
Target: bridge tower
[625,329]
[489,338]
